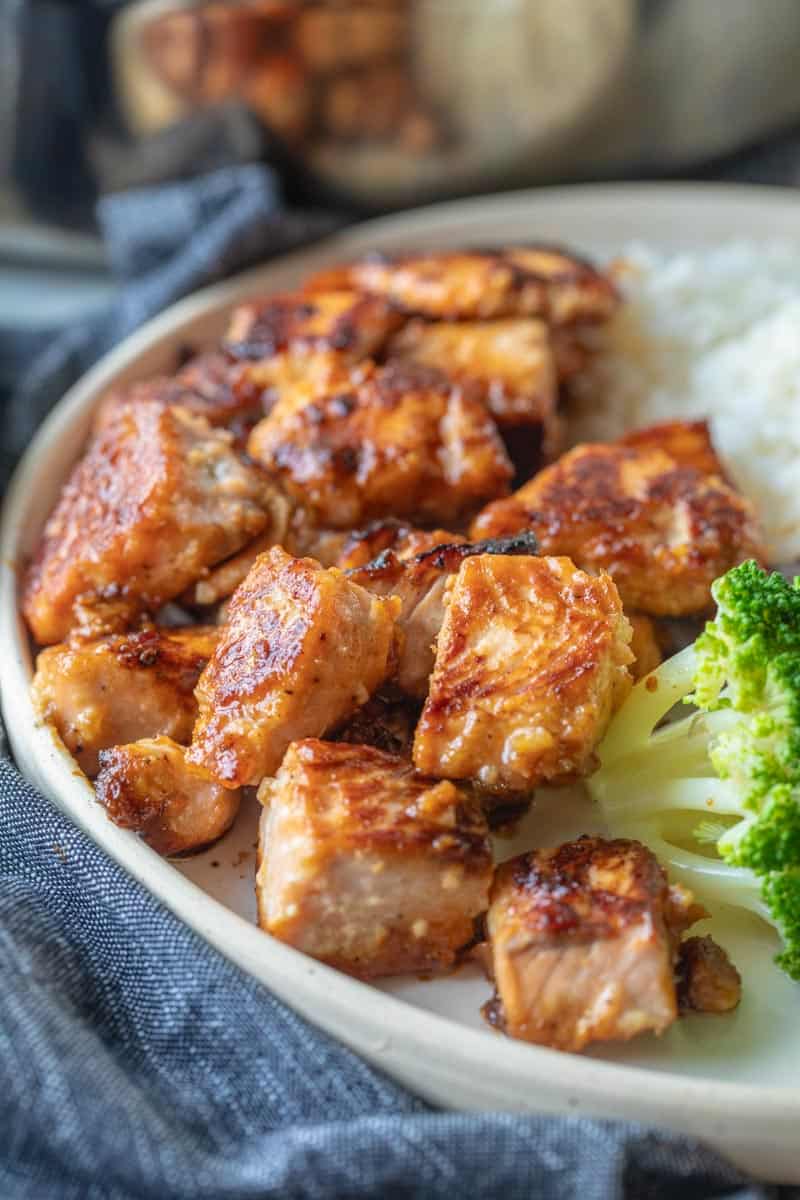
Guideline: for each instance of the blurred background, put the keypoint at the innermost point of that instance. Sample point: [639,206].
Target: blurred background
[361,106]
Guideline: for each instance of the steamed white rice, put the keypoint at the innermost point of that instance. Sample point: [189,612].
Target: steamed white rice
[712,334]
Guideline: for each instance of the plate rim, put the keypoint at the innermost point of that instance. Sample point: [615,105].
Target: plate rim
[583,1084]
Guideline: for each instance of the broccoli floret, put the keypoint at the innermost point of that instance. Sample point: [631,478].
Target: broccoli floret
[769,842]
[782,895]
[735,759]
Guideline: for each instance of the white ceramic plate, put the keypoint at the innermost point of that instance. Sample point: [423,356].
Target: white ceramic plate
[731,1080]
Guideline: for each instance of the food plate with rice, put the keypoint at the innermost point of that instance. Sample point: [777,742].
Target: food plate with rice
[710,279]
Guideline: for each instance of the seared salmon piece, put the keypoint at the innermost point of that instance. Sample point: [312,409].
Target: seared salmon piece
[290,338]
[210,385]
[302,648]
[580,947]
[688,442]
[664,531]
[420,583]
[158,498]
[122,688]
[373,442]
[463,285]
[531,662]
[511,360]
[511,363]
[367,865]
[148,787]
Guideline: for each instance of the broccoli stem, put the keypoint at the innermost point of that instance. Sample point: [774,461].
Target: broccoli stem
[711,877]
[624,798]
[656,694]
[679,752]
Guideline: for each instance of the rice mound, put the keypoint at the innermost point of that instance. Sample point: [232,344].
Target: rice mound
[716,334]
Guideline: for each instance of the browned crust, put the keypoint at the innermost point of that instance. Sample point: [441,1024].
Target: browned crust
[116,515]
[211,385]
[280,623]
[260,329]
[518,382]
[465,692]
[535,280]
[707,979]
[251,654]
[386,722]
[442,559]
[177,656]
[363,545]
[149,807]
[688,442]
[556,899]
[367,773]
[612,507]
[116,789]
[335,453]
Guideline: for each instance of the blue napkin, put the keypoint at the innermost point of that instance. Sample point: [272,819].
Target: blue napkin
[136,1062]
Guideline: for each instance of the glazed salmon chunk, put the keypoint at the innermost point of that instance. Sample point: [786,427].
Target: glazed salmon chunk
[420,582]
[148,787]
[282,339]
[662,528]
[209,385]
[581,946]
[531,661]
[688,442]
[367,865]
[398,440]
[511,360]
[158,497]
[526,281]
[302,648]
[118,689]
